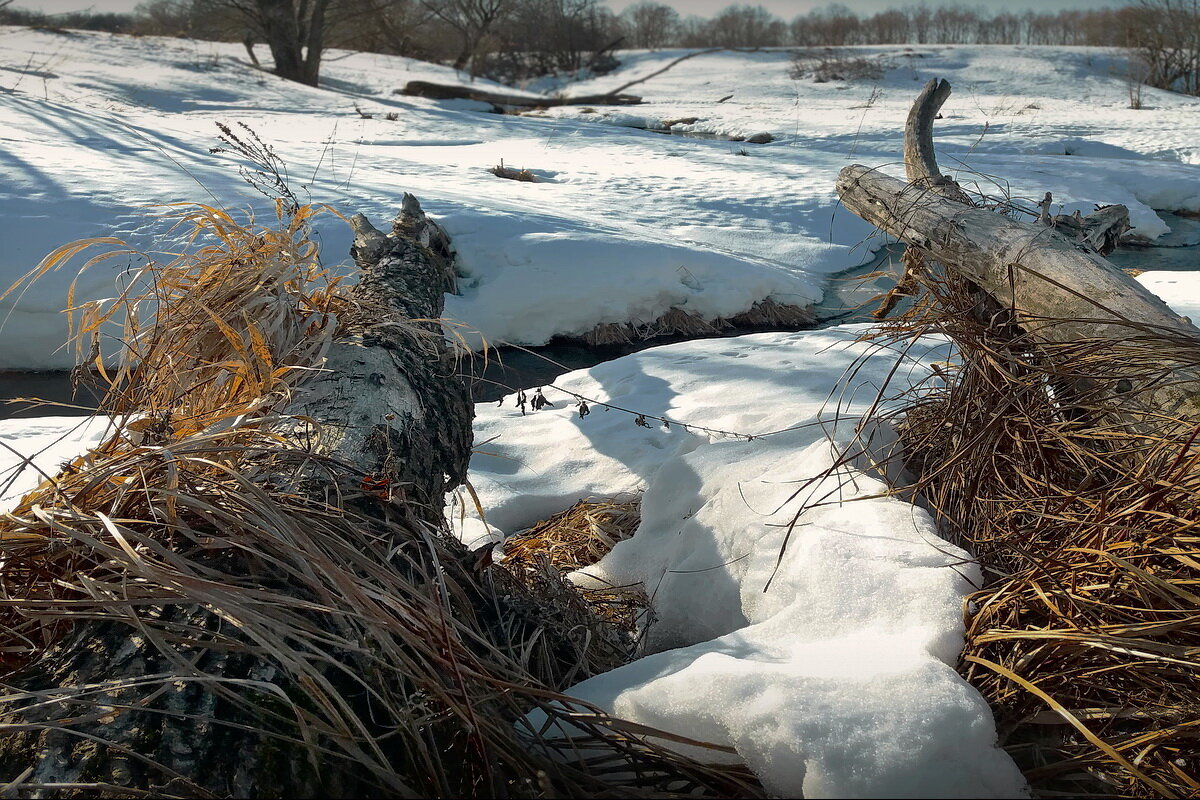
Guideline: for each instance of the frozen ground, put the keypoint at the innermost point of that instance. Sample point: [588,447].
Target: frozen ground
[624,224]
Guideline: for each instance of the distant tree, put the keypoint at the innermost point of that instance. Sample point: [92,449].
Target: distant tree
[293,30]
[199,19]
[954,24]
[919,20]
[833,25]
[1002,28]
[1165,35]
[396,27]
[472,20]
[886,27]
[652,24]
[745,26]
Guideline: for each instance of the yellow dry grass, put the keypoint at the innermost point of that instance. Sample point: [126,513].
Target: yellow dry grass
[577,538]
[1086,637]
[397,668]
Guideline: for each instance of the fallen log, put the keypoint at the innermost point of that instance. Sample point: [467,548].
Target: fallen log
[442,91]
[94,709]
[1050,279]
[246,592]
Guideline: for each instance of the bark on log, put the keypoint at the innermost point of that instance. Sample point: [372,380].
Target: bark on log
[386,403]
[1059,287]
[441,91]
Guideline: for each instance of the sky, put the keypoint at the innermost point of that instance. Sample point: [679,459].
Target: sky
[705,8]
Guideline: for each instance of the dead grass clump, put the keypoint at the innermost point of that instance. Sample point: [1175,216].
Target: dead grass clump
[769,313]
[577,538]
[827,64]
[242,593]
[501,171]
[766,313]
[1086,518]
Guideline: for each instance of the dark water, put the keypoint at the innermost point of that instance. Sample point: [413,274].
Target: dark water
[850,296]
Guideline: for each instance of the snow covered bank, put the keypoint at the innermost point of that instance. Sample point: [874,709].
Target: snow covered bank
[623,225]
[831,675]
[830,671]
[1180,290]
[33,449]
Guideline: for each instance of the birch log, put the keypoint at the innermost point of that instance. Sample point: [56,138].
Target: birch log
[387,403]
[1057,286]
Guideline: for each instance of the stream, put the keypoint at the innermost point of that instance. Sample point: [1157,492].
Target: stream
[848,296]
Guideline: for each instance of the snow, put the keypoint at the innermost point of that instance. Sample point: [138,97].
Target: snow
[1180,290]
[98,130]
[830,676]
[32,449]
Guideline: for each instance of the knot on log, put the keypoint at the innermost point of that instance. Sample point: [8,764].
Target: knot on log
[1099,231]
[408,270]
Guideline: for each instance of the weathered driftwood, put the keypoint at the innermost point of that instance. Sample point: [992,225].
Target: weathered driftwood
[442,91]
[1051,276]
[390,404]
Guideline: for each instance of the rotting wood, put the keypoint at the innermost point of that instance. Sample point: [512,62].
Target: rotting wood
[1051,279]
[442,91]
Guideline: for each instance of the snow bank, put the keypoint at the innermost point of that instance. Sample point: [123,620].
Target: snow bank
[830,672]
[529,466]
[1179,290]
[31,449]
[830,676]
[623,224]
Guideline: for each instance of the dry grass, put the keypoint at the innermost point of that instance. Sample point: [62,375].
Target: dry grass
[766,313]
[577,538]
[382,659]
[1086,519]
[524,175]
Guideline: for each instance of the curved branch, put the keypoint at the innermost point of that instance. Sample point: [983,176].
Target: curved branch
[920,162]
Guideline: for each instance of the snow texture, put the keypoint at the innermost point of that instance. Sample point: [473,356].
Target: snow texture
[99,130]
[838,679]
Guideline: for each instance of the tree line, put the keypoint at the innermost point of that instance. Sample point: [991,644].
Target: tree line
[512,40]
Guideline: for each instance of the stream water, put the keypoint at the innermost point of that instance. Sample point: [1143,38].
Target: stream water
[848,297]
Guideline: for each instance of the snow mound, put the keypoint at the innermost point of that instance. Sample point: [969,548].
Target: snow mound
[32,449]
[837,680]
[1179,290]
[829,671]
[527,467]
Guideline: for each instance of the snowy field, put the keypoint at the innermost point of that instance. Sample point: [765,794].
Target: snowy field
[835,680]
[623,224]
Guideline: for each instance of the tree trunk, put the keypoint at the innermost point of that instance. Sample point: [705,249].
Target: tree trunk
[281,31]
[442,91]
[315,43]
[386,403]
[1050,278]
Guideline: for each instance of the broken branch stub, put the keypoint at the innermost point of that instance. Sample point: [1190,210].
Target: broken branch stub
[1052,278]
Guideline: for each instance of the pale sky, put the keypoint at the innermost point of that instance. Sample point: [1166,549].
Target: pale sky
[705,8]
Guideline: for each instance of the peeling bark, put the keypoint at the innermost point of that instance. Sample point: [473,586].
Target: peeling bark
[388,402]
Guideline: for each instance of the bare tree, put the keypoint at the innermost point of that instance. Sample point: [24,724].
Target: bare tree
[294,31]
[652,24]
[1165,35]
[920,19]
[834,25]
[886,27]
[473,20]
[745,26]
